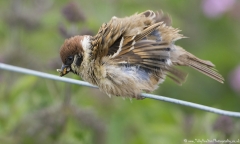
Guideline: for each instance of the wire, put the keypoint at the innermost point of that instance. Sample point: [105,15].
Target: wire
[151,96]
[194,105]
[44,75]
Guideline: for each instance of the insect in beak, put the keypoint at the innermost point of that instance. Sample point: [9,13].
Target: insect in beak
[64,70]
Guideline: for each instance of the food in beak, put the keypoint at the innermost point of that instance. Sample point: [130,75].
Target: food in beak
[64,70]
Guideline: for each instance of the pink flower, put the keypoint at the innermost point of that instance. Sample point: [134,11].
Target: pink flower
[235,79]
[215,8]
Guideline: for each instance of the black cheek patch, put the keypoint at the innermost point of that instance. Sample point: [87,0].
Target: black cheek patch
[79,61]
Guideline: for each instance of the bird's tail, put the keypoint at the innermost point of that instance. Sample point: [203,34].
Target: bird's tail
[181,57]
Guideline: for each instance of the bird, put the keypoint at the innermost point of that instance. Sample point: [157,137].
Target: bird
[131,55]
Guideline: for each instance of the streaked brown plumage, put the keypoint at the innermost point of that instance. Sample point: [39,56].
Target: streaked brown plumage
[131,55]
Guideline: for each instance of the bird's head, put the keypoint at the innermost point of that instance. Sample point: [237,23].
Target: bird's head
[72,53]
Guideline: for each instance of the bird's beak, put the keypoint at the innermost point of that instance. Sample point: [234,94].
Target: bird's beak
[64,70]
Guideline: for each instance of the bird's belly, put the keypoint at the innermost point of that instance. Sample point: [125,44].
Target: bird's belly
[136,72]
[126,81]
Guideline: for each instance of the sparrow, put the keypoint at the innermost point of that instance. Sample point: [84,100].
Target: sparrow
[131,55]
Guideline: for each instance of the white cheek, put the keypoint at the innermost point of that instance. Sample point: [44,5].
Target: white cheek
[86,47]
[86,43]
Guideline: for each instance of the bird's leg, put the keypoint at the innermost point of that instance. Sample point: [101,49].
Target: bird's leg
[139,97]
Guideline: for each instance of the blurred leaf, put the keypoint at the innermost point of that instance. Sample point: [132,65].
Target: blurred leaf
[135,122]
[23,83]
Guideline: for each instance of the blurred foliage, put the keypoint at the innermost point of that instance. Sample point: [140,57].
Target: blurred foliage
[34,110]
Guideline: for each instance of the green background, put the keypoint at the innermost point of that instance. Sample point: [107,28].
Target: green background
[36,110]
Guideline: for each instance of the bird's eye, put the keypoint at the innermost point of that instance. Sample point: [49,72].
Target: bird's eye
[69,60]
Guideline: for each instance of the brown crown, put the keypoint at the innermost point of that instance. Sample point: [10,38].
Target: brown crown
[71,47]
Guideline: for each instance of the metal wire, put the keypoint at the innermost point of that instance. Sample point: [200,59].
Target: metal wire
[151,96]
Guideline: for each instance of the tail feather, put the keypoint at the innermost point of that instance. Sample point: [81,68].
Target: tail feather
[203,66]
[211,72]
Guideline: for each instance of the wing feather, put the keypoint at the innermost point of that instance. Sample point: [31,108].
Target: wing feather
[145,40]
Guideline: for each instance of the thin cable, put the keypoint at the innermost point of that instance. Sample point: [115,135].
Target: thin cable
[151,96]
[44,75]
[194,105]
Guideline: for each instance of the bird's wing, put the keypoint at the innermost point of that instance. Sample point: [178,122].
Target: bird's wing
[107,40]
[142,39]
[151,50]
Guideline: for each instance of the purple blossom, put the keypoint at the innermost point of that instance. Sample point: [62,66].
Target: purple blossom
[224,124]
[215,8]
[235,79]
[73,13]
